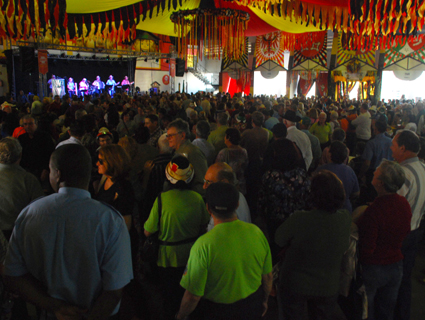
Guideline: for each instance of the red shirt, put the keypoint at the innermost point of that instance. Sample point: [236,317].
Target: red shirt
[382,229]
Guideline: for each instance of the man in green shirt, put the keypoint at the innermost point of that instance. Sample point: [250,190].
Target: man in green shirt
[322,130]
[230,266]
[216,137]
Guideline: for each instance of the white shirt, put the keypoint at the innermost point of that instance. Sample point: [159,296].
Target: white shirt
[414,189]
[71,140]
[303,142]
[363,126]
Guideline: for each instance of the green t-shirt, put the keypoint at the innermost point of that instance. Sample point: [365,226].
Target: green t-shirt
[183,214]
[227,264]
[321,132]
[317,241]
[270,134]
[216,138]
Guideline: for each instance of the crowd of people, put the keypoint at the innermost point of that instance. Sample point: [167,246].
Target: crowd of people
[84,183]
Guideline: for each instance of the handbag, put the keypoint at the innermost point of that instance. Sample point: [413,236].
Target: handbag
[149,252]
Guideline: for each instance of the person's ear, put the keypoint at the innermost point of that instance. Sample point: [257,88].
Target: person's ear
[208,209]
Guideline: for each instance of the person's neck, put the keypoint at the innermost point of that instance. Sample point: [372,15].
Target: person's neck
[153,130]
[384,193]
[408,155]
[180,144]
[218,221]
[71,185]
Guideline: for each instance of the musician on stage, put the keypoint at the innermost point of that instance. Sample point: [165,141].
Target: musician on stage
[84,87]
[98,84]
[126,82]
[50,82]
[111,82]
[72,87]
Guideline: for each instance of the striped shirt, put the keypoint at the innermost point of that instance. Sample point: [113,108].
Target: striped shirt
[414,189]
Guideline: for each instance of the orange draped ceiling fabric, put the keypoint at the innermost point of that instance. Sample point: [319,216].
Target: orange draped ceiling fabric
[23,19]
[365,23]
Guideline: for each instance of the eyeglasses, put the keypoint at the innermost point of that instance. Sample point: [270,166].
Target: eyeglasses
[172,134]
[208,182]
[100,161]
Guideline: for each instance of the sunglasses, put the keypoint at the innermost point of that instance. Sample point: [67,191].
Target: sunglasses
[100,161]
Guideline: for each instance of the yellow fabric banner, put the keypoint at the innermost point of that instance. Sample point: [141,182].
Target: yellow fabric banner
[283,24]
[162,23]
[92,6]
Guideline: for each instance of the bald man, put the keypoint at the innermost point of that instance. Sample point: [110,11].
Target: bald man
[222,172]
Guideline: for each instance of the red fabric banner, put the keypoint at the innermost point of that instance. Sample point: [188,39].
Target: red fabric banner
[172,67]
[322,84]
[304,86]
[43,64]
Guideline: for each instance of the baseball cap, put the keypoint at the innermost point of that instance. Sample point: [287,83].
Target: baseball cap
[222,197]
[305,121]
[179,169]
[241,117]
[104,131]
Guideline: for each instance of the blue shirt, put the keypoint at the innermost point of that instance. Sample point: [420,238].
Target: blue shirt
[74,245]
[377,149]
[348,178]
[270,122]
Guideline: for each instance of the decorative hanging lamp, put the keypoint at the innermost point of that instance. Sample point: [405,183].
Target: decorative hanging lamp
[212,30]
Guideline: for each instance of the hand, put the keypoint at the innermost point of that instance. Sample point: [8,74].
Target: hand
[265,308]
[66,311]
[148,165]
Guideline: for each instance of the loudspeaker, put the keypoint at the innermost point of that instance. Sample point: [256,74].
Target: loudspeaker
[180,66]
[9,65]
[27,59]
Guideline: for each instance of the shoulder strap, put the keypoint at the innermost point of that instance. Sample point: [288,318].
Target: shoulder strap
[159,209]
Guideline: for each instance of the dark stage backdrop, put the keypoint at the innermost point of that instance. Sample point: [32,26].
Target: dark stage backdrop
[77,69]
